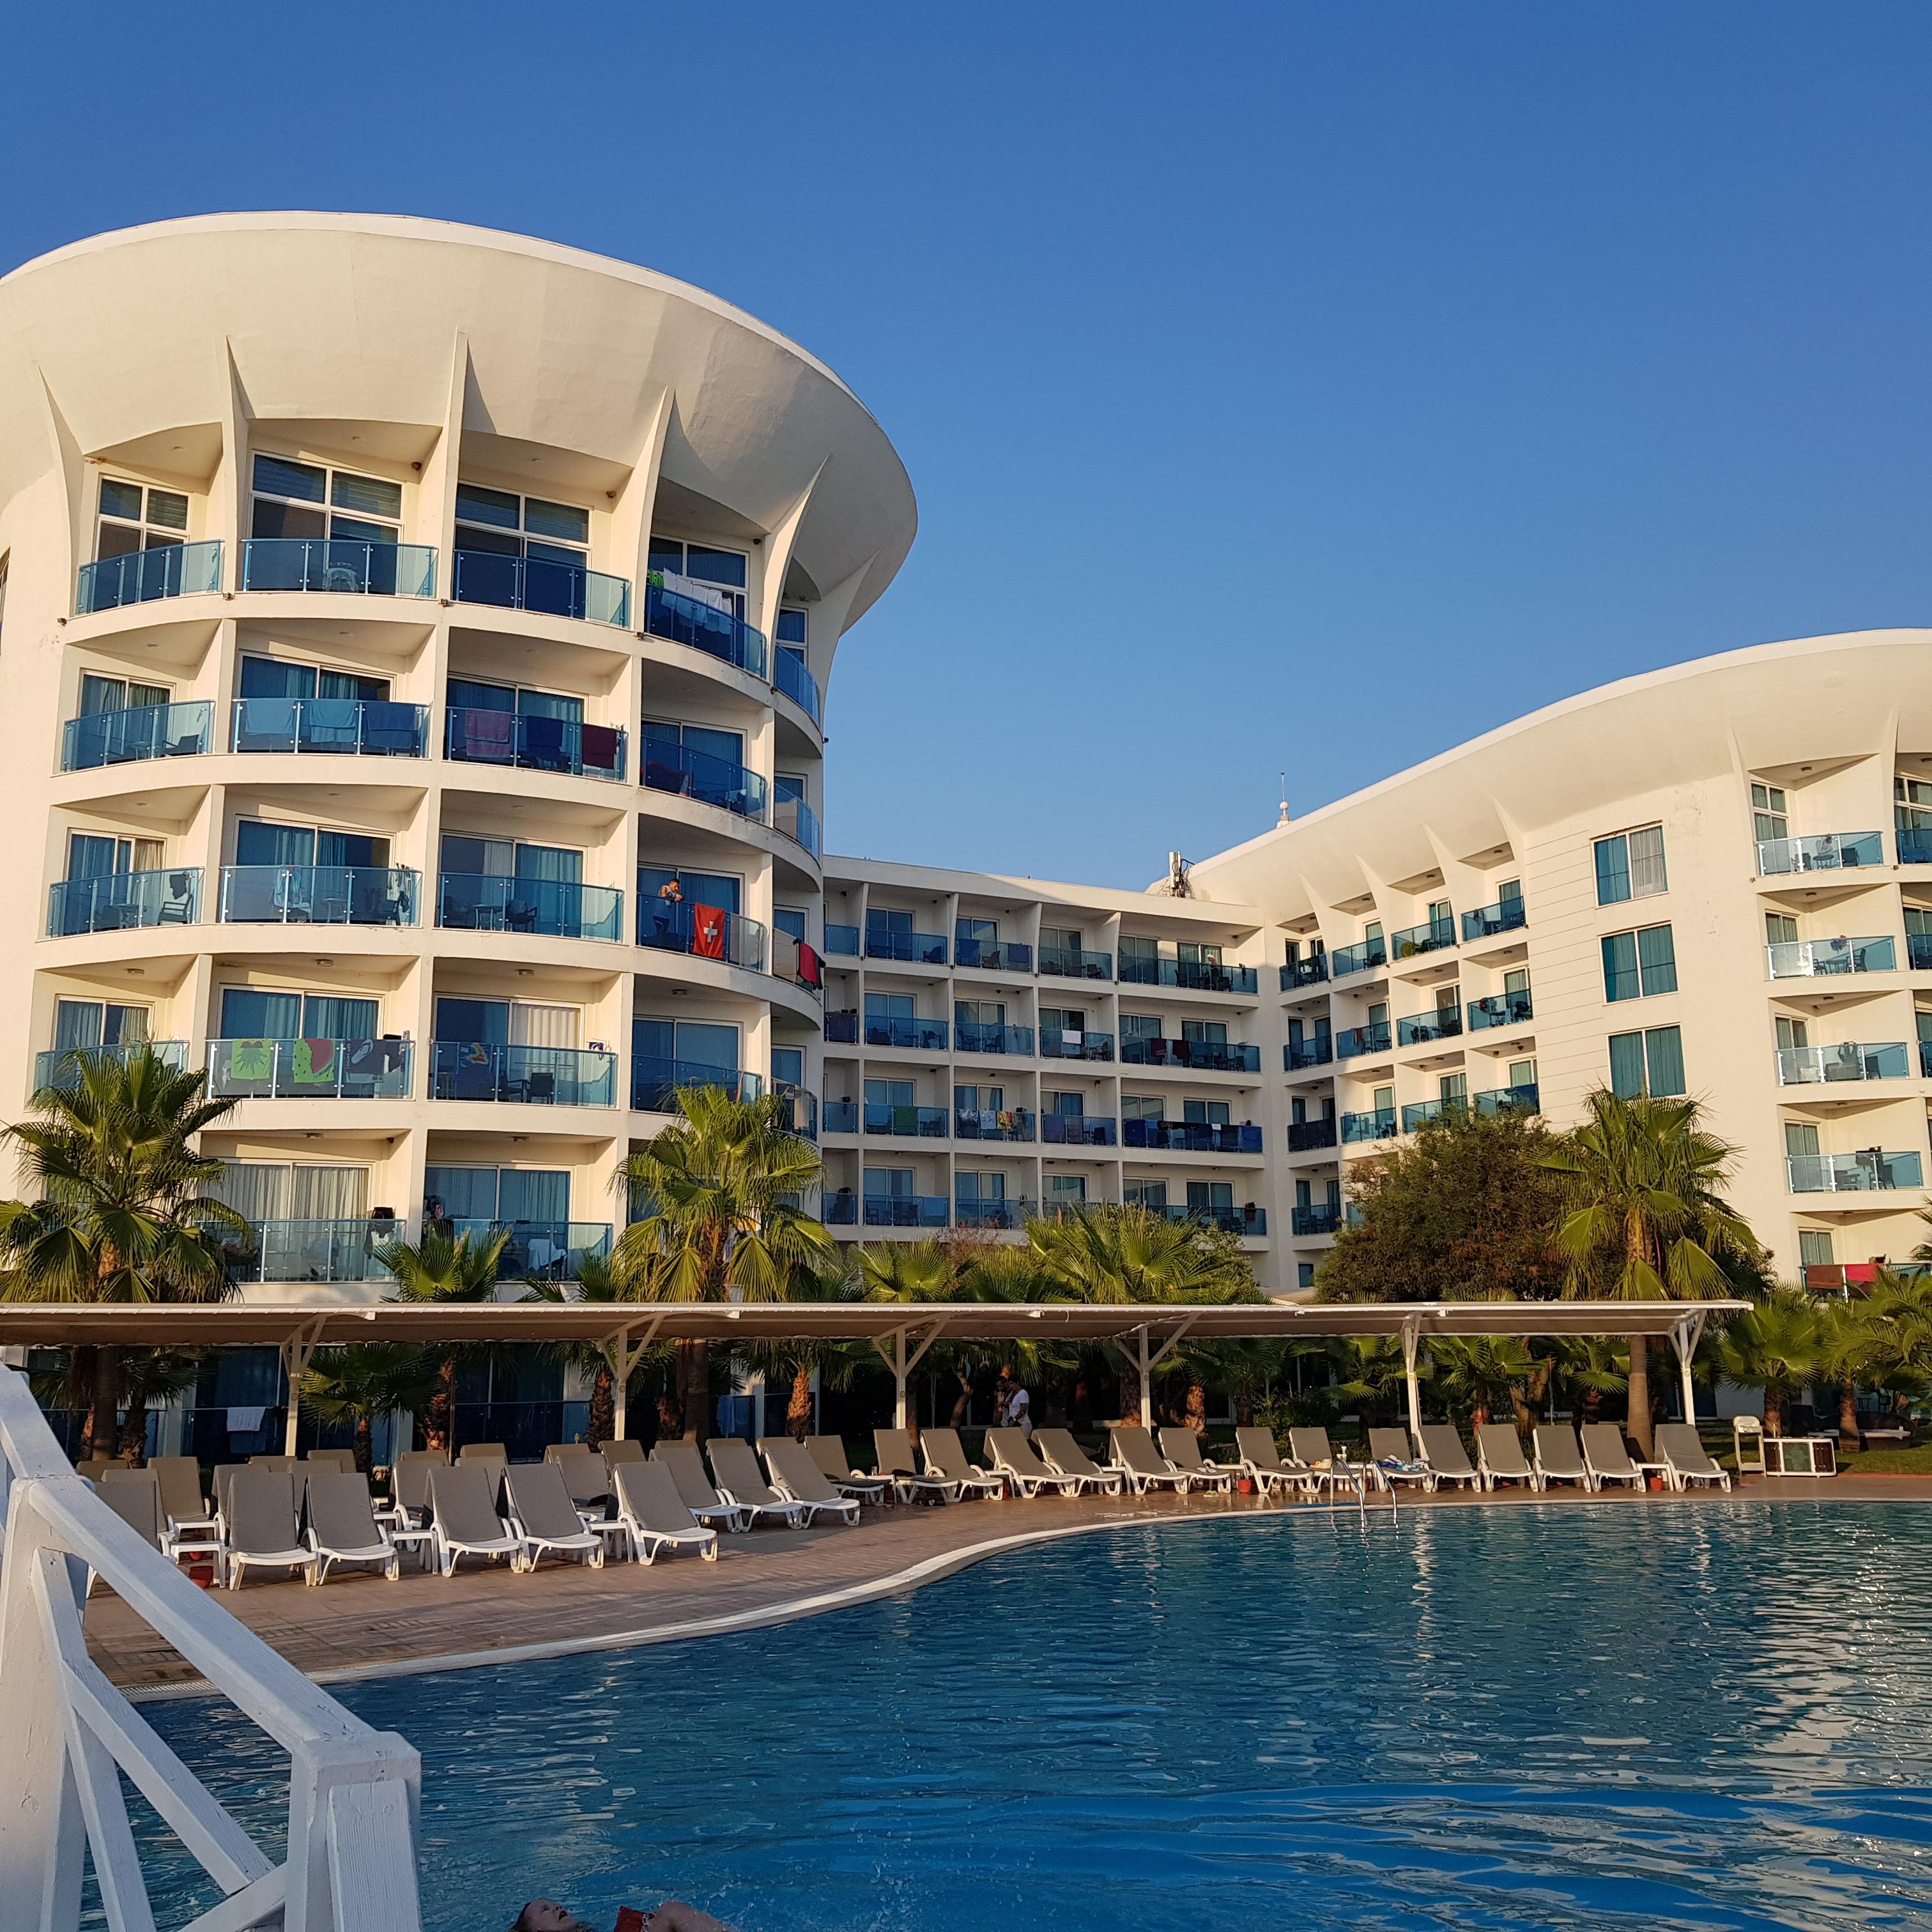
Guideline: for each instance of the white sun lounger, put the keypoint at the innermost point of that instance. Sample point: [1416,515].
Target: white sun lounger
[1261,1463]
[686,1464]
[184,1507]
[622,1449]
[1310,1446]
[1130,1449]
[342,1526]
[739,1480]
[1017,1462]
[1685,1459]
[343,1461]
[463,1510]
[262,1527]
[946,1457]
[408,1487]
[1499,1457]
[585,1476]
[899,1460]
[828,1452]
[1606,1458]
[1182,1447]
[1442,1448]
[1396,1461]
[1057,1449]
[542,1513]
[800,1479]
[653,1516]
[135,1497]
[1557,1458]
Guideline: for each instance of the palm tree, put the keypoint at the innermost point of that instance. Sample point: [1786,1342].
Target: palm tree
[1779,1346]
[123,1213]
[1644,1218]
[1478,1375]
[442,1267]
[722,1185]
[1884,1339]
[597,1281]
[1587,1368]
[370,1379]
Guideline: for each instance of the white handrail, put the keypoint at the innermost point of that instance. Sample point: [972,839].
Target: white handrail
[354,1793]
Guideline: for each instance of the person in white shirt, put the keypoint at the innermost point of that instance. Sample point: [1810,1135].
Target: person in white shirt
[1018,1409]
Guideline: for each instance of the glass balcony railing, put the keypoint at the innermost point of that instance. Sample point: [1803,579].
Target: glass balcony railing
[317,1251]
[1076,962]
[1191,1136]
[543,1076]
[1525,1098]
[798,823]
[555,908]
[61,1067]
[347,727]
[1416,1113]
[1433,935]
[677,768]
[1821,852]
[890,1211]
[1820,1066]
[1198,976]
[1353,1042]
[1058,1043]
[803,1108]
[992,1123]
[843,1026]
[309,1069]
[924,1124]
[1378,1124]
[1081,1130]
[701,931]
[1802,958]
[538,584]
[1208,1056]
[921,1036]
[539,1250]
[1501,1009]
[1915,844]
[142,576]
[1309,1221]
[993,955]
[841,1116]
[336,563]
[1925,1059]
[1488,921]
[1419,1029]
[122,901]
[1010,1214]
[1918,951]
[319,895]
[985,1036]
[654,1082]
[1247,1220]
[1306,1136]
[1357,958]
[147,731]
[474,736]
[1298,973]
[790,676]
[1871,1169]
[923,949]
[842,941]
[686,620]
[1298,1054]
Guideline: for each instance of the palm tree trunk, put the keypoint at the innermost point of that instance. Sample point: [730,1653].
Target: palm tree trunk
[1197,1409]
[961,1406]
[439,1424]
[694,1387]
[601,1423]
[1130,1391]
[1773,1411]
[1639,1396]
[134,1442]
[798,1411]
[365,1442]
[1848,1410]
[104,1435]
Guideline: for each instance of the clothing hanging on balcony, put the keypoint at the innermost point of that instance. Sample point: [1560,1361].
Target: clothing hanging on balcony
[698,592]
[251,1059]
[707,932]
[488,735]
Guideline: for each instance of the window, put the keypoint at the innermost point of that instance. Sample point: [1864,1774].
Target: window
[723,575]
[789,919]
[303,846]
[1133,949]
[1063,1106]
[1067,1190]
[1768,820]
[1452,1090]
[1205,1033]
[1062,1019]
[311,500]
[1791,1033]
[710,889]
[1304,1274]
[268,677]
[1522,1073]
[99,695]
[1912,798]
[1630,866]
[1814,1247]
[1780,929]
[507,1022]
[1151,1195]
[890,1007]
[791,630]
[978,1099]
[1382,1100]
[250,1012]
[1140,1107]
[979,1186]
[788,1065]
[509,859]
[519,1195]
[133,518]
[264,1190]
[891,1182]
[1651,1062]
[504,524]
[1139,1026]
[464,693]
[707,1043]
[1801,1140]
[1210,1197]
[93,855]
[979,1012]
[971,934]
[1205,1113]
[86,1023]
[1637,965]
[1059,938]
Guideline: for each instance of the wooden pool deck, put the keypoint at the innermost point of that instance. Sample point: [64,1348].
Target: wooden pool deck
[358,1625]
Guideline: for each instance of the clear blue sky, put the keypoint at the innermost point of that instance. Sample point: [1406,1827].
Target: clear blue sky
[1302,386]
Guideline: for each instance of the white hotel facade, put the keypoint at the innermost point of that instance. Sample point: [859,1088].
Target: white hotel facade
[416,642]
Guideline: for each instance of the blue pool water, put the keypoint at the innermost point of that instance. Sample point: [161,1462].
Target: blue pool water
[1714,1715]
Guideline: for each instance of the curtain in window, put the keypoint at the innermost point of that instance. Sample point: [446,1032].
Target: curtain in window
[554,862]
[467,1193]
[532,1025]
[485,1020]
[259,845]
[90,856]
[263,677]
[350,848]
[1657,957]
[1620,981]
[551,703]
[77,1024]
[1626,1064]
[1665,1048]
[328,1193]
[1613,879]
[249,1013]
[706,1043]
[466,695]
[259,1190]
[326,1017]
[486,858]
[533,1194]
[1646,862]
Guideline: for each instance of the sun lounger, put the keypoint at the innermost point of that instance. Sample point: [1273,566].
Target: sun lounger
[1685,1459]
[585,1476]
[224,1476]
[184,1507]
[828,1452]
[1557,1458]
[735,1471]
[1310,1447]
[653,1516]
[1499,1456]
[686,1465]
[1606,1457]
[542,1513]
[94,1467]
[1261,1462]
[797,1477]
[490,1456]
[1442,1448]
[1131,1450]
[1018,1462]
[462,1509]
[262,1526]
[409,1485]
[135,1497]
[946,1457]
[1182,1447]
[341,1460]
[285,1463]
[622,1449]
[1057,1449]
[1396,1461]
[899,1460]
[342,1525]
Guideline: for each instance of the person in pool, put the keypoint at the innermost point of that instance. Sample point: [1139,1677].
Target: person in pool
[544,1915]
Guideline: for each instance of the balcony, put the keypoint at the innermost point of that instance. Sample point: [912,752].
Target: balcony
[1918,951]
[685,773]
[1419,1029]
[1822,852]
[473,736]
[1501,1009]
[717,634]
[1196,976]
[1298,1055]
[1915,844]
[798,823]
[309,1069]
[346,727]
[1491,922]
[989,1123]
[61,1067]
[842,940]
[985,1036]
[918,948]
[790,676]
[1379,1124]
[1434,935]
[556,908]
[1357,958]
[539,1250]
[803,1107]
[919,1036]
[537,584]
[1199,1056]
[924,1123]
[1419,1113]
[887,1211]
[701,931]
[655,1082]
[1244,1220]
[1075,962]
[1822,1066]
[842,1026]
[318,896]
[1311,1221]
[1925,1059]
[127,737]
[318,1251]
[1082,1130]
[1190,1137]
[305,563]
[1807,958]
[1009,1214]
[542,1076]
[124,901]
[1058,1043]
[142,576]
[1353,1042]
[1525,1099]
[1871,1169]
[1307,1136]
[993,956]
[1310,972]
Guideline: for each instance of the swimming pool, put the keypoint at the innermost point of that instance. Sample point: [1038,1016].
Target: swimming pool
[1714,1714]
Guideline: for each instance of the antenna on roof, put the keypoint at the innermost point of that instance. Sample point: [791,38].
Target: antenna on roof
[1283,819]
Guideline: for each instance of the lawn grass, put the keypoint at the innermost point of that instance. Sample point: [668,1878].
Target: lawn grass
[1888,1462]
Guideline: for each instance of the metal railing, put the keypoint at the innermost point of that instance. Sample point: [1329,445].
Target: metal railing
[1814,1065]
[1307,1136]
[842,940]
[1057,1043]
[1243,1220]
[141,576]
[120,902]
[1010,1213]
[1078,1130]
[538,1250]
[1870,1169]
[543,1076]
[1915,844]
[60,1065]
[993,1124]
[1351,1043]
[654,1081]
[1433,935]
[533,743]
[1197,976]
[319,895]
[1820,852]
[1315,1220]
[352,726]
[1076,962]
[921,1036]
[1486,921]
[312,1251]
[991,1036]
[1419,1029]
[789,675]
[350,1839]
[1356,958]
[1501,1009]
[887,1211]
[558,908]
[1191,1136]
[1208,1056]
[1299,1055]
[686,620]
[993,956]
[798,823]
[1416,1113]
[1312,971]
[310,1069]
[1804,958]
[1377,1124]
[537,583]
[338,564]
[701,931]
[924,948]
[688,773]
[1524,1098]
[182,730]
[926,1124]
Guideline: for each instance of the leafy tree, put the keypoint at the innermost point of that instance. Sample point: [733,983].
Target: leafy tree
[443,1267]
[358,1384]
[1779,1346]
[1466,1212]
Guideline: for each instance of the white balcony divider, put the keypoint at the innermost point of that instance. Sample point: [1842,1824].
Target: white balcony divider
[70,1736]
